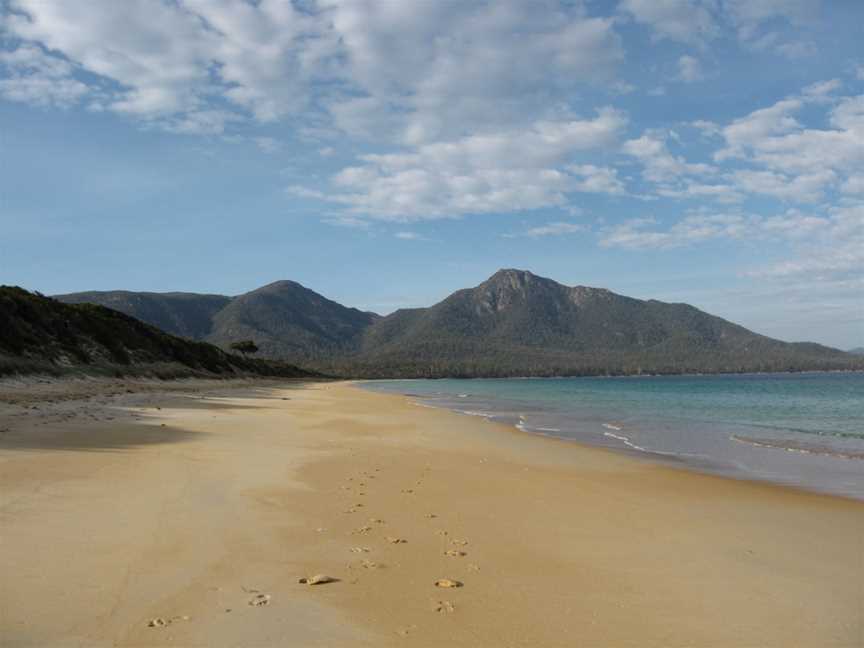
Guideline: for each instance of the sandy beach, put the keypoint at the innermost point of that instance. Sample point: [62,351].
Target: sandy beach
[146,517]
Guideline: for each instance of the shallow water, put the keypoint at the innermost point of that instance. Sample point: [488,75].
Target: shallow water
[805,430]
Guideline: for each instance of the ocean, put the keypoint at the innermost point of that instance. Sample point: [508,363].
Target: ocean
[803,430]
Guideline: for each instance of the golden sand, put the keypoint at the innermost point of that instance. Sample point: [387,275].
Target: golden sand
[195,526]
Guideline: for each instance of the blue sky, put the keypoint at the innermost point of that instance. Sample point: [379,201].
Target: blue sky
[388,153]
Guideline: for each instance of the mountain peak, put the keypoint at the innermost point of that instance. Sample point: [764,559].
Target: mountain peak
[513,278]
[512,273]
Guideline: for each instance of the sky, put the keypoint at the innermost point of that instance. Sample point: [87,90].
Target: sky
[388,153]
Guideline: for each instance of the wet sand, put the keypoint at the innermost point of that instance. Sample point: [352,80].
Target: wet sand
[188,519]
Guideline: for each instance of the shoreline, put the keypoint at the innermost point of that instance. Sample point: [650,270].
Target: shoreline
[778,456]
[208,501]
[665,460]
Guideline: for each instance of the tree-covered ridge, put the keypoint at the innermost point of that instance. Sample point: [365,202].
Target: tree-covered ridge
[513,324]
[38,333]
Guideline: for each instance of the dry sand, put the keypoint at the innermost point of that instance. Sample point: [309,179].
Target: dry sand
[201,517]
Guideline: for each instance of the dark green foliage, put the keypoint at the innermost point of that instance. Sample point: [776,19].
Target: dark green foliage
[514,324]
[518,324]
[289,321]
[244,347]
[185,314]
[41,334]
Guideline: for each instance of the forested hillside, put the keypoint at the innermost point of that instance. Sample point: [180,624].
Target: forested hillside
[513,324]
[40,334]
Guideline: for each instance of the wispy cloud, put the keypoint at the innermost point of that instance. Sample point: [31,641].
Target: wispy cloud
[558,228]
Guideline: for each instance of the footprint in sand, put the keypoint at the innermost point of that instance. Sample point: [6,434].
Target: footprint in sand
[473,568]
[363,529]
[259,600]
[455,553]
[360,549]
[431,516]
[448,582]
[159,622]
[369,564]
[459,543]
[376,520]
[392,540]
[444,607]
[408,491]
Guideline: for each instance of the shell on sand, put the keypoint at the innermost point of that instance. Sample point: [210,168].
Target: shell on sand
[260,599]
[448,582]
[158,622]
[317,579]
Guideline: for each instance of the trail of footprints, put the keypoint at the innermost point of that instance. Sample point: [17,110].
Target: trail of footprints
[455,546]
[456,549]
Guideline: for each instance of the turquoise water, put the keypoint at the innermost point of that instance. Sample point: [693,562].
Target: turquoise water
[801,429]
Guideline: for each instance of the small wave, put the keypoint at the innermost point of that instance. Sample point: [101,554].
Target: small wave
[798,447]
[609,426]
[462,396]
[626,441]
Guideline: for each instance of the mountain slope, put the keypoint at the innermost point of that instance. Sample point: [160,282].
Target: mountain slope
[39,334]
[517,323]
[185,314]
[287,320]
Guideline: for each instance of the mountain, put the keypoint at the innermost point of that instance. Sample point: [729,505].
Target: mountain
[517,323]
[185,314]
[856,351]
[513,324]
[287,320]
[40,334]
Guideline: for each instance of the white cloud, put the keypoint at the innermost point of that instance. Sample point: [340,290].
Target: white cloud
[408,236]
[689,69]
[832,250]
[409,72]
[854,184]
[433,70]
[36,78]
[686,21]
[822,90]
[659,165]
[594,179]
[796,50]
[749,17]
[558,228]
[747,132]
[700,227]
[807,188]
[637,233]
[268,144]
[503,171]
[722,193]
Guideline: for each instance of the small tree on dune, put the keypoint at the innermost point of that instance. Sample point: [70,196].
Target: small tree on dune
[245,347]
